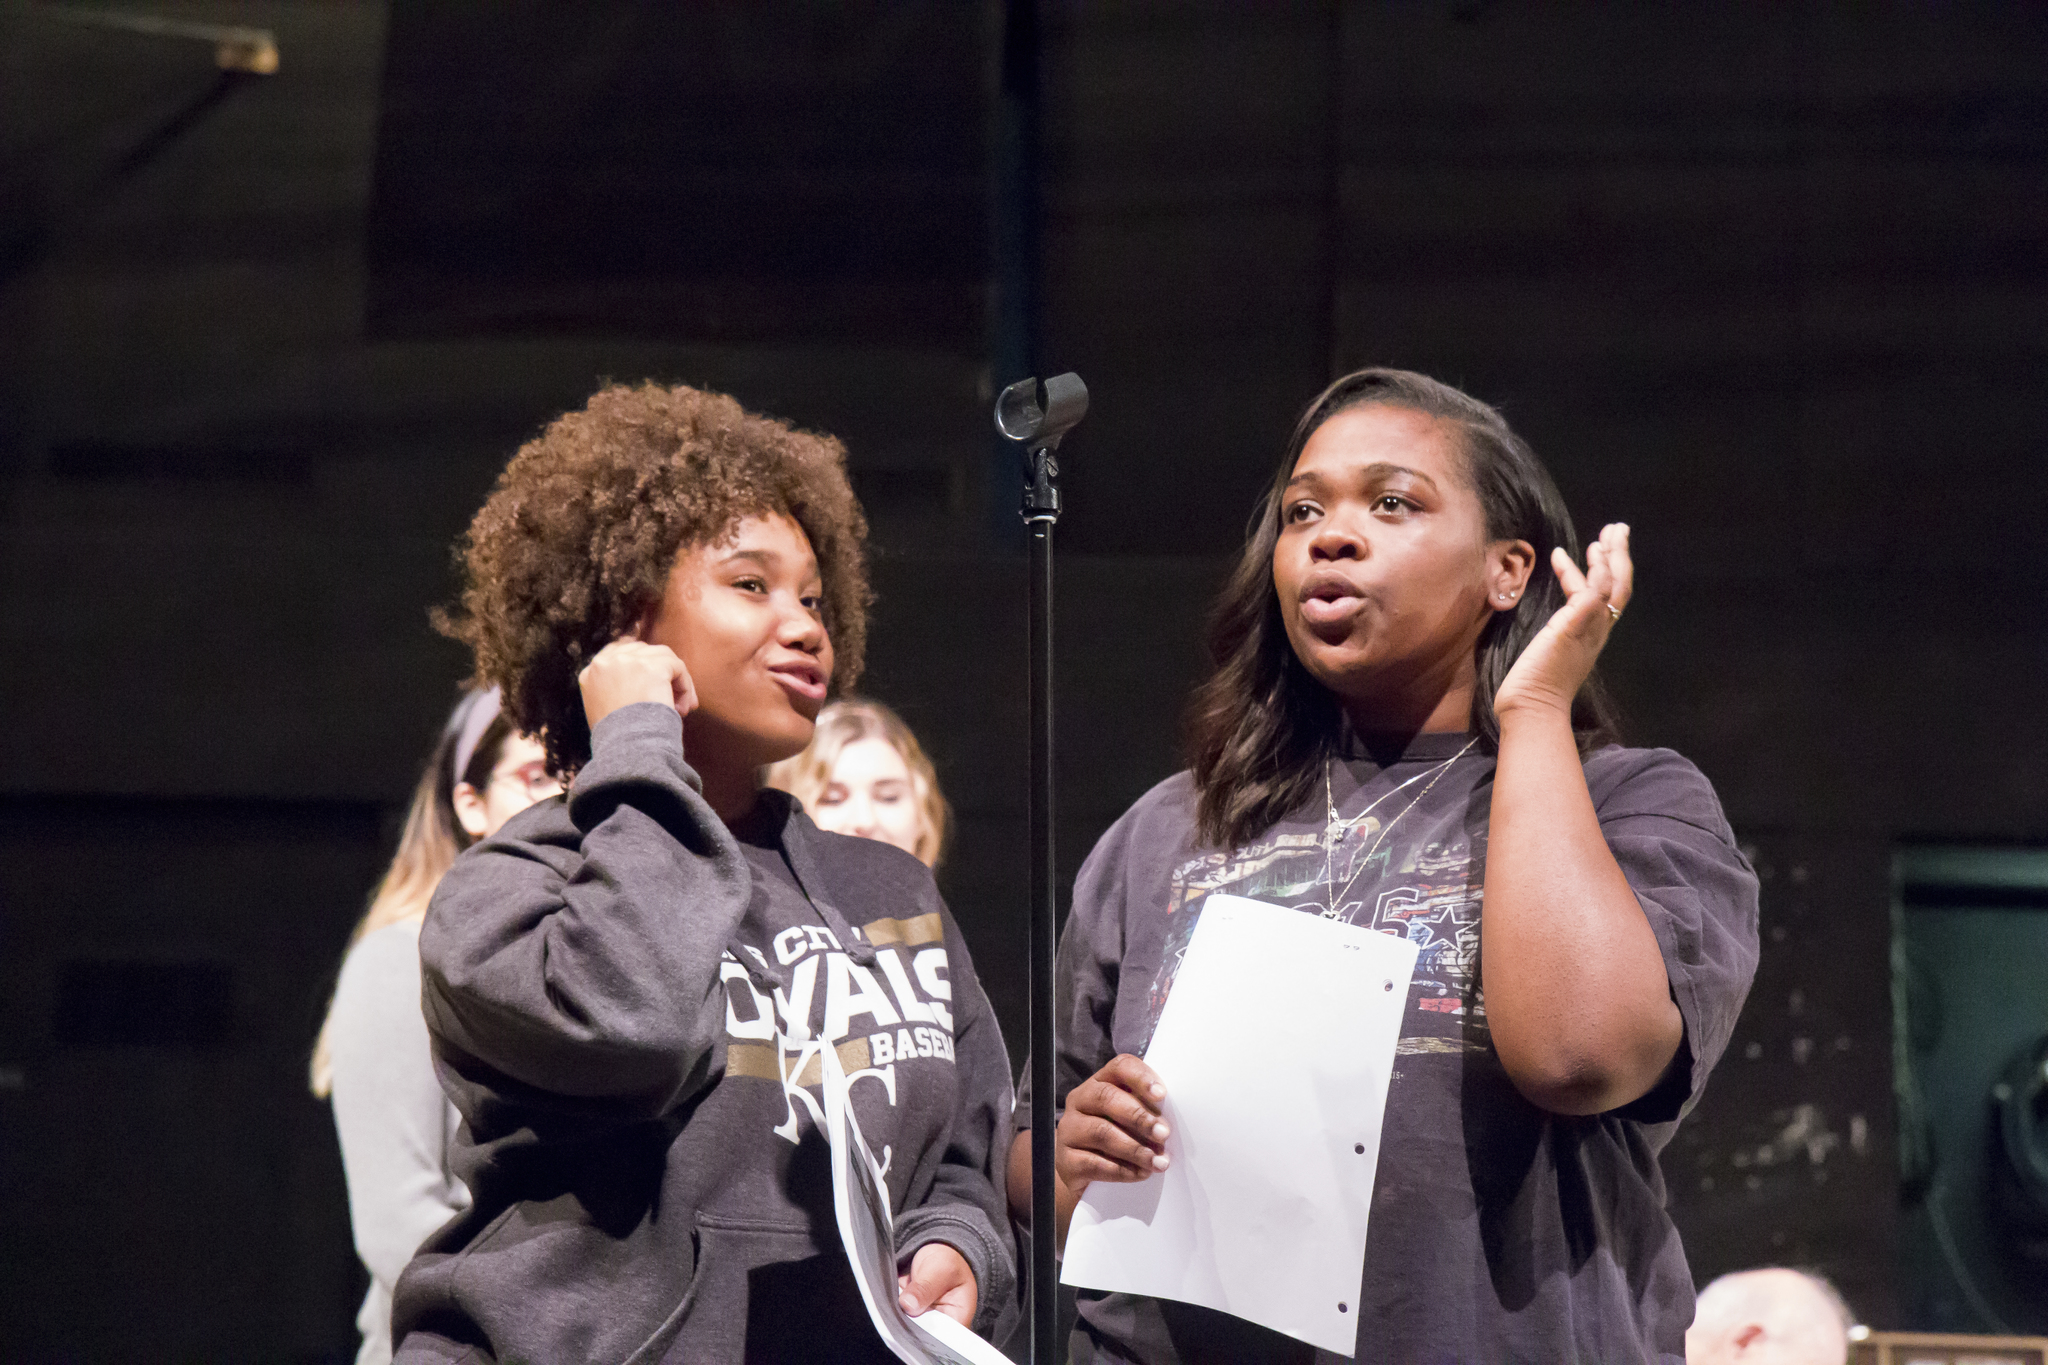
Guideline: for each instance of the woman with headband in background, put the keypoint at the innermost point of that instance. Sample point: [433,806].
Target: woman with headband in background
[372,1057]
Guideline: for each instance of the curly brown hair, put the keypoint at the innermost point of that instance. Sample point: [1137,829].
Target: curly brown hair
[577,540]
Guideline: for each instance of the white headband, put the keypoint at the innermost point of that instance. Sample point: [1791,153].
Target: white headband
[473,715]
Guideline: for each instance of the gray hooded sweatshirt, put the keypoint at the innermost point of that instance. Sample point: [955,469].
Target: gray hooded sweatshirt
[627,1002]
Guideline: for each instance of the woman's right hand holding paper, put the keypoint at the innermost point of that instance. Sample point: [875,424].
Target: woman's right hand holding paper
[1113,1127]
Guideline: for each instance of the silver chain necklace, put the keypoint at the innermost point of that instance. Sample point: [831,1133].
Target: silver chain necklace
[1335,830]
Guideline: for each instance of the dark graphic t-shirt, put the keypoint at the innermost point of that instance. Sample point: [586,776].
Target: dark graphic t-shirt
[1500,1232]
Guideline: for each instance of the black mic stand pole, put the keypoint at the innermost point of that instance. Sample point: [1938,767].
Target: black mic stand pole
[1020,417]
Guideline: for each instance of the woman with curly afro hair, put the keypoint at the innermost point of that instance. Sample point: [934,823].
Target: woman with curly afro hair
[630,986]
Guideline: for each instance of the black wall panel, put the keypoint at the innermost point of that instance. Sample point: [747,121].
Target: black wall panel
[1789,1158]
[723,172]
[169,1190]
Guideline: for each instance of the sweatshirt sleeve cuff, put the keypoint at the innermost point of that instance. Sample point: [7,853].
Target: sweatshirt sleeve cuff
[639,741]
[967,1231]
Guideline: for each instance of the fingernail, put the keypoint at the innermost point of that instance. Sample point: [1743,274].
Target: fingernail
[1159,1131]
[1161,1162]
[1158,1090]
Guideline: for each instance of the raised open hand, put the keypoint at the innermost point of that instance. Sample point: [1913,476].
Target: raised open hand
[1556,663]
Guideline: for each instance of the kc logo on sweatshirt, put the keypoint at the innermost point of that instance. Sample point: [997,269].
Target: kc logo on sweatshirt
[898,1011]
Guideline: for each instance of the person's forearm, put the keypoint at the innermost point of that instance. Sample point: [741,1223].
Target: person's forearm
[1019,1190]
[580,953]
[1577,997]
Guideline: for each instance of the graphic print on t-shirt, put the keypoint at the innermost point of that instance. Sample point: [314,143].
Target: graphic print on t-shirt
[874,1018]
[1419,881]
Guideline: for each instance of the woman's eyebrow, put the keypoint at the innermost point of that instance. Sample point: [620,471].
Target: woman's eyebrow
[770,560]
[1384,470]
[1314,481]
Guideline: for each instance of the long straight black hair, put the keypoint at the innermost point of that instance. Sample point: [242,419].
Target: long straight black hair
[1259,728]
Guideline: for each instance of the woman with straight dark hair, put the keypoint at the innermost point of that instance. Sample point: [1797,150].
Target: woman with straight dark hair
[1403,730]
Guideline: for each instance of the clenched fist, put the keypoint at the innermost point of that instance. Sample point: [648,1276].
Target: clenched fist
[939,1278]
[627,671]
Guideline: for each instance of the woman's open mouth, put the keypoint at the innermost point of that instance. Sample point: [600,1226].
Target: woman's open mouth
[800,678]
[1328,598]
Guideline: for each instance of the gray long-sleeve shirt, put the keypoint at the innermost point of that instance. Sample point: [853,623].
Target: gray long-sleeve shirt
[627,1001]
[394,1123]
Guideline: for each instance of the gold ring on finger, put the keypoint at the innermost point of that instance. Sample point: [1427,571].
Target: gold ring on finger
[1613,613]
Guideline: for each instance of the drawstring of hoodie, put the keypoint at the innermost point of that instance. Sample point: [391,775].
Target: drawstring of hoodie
[796,847]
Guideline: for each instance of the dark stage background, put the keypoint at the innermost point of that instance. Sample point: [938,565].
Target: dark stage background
[1765,281]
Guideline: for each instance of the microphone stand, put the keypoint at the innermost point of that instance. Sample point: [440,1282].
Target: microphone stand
[1021,417]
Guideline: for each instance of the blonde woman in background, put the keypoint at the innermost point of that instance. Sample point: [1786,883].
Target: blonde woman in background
[372,1057]
[865,774]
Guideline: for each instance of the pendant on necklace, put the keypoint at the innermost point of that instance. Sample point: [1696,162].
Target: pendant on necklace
[1336,832]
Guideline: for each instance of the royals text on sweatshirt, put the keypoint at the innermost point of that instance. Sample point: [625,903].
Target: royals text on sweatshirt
[628,1002]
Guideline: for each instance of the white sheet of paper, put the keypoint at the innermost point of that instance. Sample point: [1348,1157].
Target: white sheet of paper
[860,1200]
[1276,1047]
